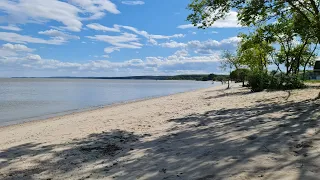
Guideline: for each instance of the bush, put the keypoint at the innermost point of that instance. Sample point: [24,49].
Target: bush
[275,83]
[259,81]
[240,75]
[292,82]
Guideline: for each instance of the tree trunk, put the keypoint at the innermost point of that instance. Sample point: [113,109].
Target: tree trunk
[308,60]
[304,72]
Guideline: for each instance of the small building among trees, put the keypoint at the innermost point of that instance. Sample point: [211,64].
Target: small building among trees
[316,70]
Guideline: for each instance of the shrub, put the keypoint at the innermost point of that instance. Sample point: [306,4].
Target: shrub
[292,82]
[275,83]
[240,75]
[259,81]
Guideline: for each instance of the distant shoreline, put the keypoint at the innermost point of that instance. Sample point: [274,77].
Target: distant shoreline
[196,77]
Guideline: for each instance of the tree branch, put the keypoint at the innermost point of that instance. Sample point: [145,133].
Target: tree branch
[298,10]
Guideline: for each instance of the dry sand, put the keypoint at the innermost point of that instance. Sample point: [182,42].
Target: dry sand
[206,134]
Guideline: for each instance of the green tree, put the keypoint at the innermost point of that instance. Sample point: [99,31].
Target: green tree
[256,12]
[295,45]
[240,75]
[283,32]
[309,59]
[229,62]
[254,51]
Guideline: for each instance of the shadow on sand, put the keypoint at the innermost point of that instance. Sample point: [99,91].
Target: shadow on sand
[223,144]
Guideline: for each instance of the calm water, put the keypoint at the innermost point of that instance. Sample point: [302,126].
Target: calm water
[28,99]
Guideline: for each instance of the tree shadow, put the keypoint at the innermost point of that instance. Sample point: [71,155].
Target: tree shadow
[60,159]
[268,141]
[238,93]
[313,86]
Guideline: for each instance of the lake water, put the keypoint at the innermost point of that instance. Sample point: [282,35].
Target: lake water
[28,99]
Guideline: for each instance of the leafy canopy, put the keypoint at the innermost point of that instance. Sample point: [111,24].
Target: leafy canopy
[254,12]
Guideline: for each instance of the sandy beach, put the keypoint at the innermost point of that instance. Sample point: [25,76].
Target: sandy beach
[210,133]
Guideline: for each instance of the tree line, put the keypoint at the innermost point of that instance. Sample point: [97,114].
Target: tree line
[195,77]
[201,77]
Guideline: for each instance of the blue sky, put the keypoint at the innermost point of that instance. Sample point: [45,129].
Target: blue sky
[108,38]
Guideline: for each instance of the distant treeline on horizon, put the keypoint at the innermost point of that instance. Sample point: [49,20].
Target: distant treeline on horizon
[196,77]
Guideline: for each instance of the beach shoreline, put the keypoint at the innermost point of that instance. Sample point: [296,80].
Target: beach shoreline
[211,133]
[33,99]
[84,110]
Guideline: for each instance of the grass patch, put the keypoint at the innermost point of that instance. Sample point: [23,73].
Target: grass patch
[312,81]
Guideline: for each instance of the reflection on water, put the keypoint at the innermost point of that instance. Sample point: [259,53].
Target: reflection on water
[22,99]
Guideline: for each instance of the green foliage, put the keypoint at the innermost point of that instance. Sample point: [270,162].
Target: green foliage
[240,75]
[284,34]
[256,13]
[285,82]
[201,77]
[260,81]
[254,50]
[292,82]
[188,77]
[229,61]
[221,78]
[275,82]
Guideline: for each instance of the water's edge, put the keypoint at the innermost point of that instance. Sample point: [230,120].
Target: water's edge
[93,108]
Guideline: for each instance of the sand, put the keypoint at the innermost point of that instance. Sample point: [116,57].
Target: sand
[205,134]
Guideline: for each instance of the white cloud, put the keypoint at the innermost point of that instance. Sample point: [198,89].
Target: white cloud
[153,42]
[179,62]
[10,28]
[58,34]
[12,50]
[41,11]
[181,53]
[125,40]
[173,44]
[96,7]
[149,36]
[186,26]
[205,47]
[100,27]
[34,57]
[166,37]
[69,13]
[17,38]
[132,3]
[17,47]
[230,21]
[109,50]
